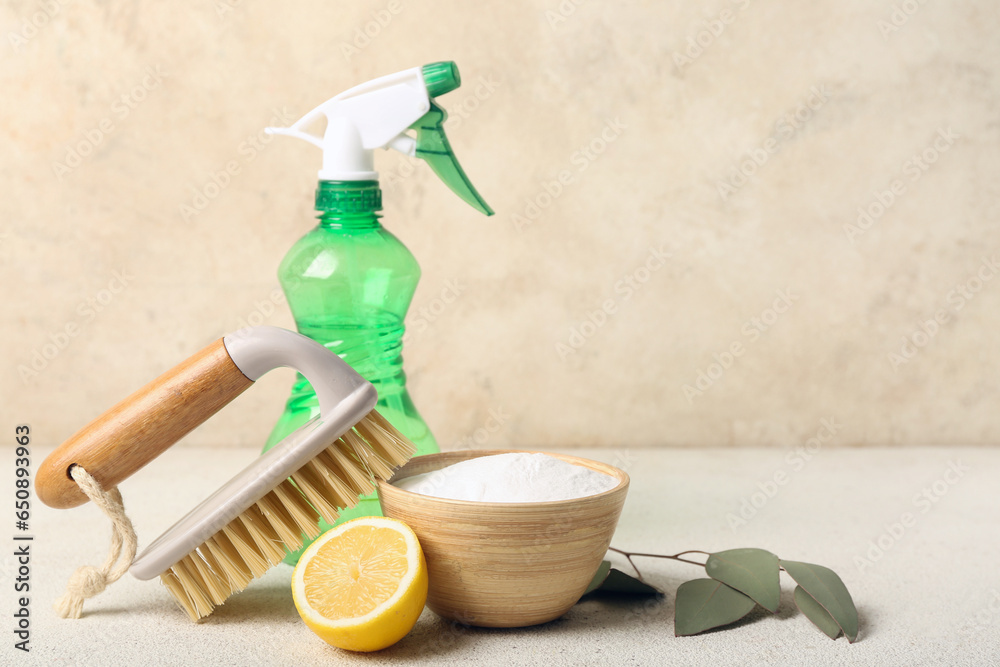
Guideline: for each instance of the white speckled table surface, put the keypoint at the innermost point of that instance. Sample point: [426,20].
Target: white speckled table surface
[928,592]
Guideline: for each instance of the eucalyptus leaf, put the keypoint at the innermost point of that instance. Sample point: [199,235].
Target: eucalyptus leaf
[599,577]
[753,572]
[703,604]
[814,612]
[824,586]
[619,582]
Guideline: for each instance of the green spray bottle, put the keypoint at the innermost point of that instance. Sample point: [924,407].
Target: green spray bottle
[349,282]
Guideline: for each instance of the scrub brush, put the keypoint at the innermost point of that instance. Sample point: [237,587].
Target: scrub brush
[243,529]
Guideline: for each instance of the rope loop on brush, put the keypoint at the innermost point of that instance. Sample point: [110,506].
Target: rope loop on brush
[88,580]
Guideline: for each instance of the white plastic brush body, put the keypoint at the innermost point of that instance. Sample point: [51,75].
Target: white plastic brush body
[242,529]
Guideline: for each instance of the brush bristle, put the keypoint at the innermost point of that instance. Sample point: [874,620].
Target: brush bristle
[255,541]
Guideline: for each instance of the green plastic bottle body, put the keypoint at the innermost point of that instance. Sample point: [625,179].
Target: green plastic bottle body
[349,283]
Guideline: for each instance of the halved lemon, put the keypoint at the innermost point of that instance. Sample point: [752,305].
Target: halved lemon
[362,585]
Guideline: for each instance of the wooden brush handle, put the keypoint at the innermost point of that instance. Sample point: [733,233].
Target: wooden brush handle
[141,427]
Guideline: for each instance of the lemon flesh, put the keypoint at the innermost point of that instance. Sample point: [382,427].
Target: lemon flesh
[362,585]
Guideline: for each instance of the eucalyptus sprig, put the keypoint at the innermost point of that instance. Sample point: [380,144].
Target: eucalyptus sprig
[739,580]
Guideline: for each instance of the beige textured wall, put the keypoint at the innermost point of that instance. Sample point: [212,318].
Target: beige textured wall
[647,111]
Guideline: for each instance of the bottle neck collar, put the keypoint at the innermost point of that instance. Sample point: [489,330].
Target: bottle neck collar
[348,204]
[346,198]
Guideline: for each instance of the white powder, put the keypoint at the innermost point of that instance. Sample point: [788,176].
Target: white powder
[510,478]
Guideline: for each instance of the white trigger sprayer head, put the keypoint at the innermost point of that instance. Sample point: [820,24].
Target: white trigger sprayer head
[361,119]
[378,114]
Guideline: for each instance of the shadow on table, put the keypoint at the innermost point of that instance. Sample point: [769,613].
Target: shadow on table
[434,636]
[437,637]
[261,601]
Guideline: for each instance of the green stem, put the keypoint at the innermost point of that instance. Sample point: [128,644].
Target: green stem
[628,556]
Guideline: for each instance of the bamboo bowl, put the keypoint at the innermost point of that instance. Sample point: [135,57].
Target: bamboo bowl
[506,565]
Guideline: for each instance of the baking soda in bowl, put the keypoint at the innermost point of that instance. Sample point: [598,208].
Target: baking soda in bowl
[517,477]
